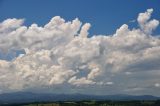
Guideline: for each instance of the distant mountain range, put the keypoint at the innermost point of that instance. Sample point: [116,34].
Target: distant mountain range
[24,97]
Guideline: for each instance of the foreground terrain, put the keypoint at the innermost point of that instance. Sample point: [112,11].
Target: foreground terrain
[90,103]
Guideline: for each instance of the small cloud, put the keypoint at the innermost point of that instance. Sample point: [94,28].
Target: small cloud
[132,21]
[109,83]
[157,85]
[128,73]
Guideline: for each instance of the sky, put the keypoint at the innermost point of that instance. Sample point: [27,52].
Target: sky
[88,47]
[105,16]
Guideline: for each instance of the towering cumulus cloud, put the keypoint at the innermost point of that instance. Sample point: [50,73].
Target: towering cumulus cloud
[60,58]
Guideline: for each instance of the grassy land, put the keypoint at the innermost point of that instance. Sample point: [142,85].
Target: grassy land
[91,103]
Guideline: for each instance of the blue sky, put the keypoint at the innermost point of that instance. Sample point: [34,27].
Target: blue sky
[105,16]
[60,56]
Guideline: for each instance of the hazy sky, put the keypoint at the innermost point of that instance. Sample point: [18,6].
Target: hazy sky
[90,47]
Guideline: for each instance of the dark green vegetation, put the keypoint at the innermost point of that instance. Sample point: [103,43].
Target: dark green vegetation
[91,103]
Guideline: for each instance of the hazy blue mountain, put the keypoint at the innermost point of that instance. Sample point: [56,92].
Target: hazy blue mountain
[23,97]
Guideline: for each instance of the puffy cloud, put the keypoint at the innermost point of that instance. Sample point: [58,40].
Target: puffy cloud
[147,25]
[10,25]
[59,56]
[56,33]
[84,30]
[80,81]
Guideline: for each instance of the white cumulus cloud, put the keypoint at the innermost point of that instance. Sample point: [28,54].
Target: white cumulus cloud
[60,56]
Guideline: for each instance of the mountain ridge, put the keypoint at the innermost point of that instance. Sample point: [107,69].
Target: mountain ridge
[24,97]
